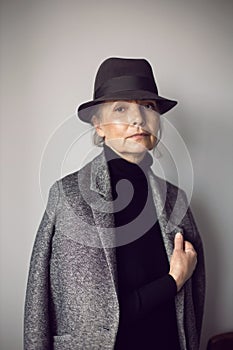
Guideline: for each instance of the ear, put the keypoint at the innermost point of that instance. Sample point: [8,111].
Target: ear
[97,126]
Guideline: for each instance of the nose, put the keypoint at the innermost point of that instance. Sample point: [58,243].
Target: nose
[136,115]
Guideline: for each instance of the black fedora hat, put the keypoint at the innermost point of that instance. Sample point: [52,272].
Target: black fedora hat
[124,79]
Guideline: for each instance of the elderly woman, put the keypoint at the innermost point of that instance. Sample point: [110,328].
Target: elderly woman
[117,261]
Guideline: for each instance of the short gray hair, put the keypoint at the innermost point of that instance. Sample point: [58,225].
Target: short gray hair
[97,140]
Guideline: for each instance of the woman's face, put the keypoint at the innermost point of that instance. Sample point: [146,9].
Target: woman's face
[129,127]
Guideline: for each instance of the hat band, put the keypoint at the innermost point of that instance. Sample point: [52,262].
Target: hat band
[125,83]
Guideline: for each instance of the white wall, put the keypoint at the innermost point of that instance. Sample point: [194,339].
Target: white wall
[50,51]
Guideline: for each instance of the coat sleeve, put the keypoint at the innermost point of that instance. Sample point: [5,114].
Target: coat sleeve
[37,333]
[198,278]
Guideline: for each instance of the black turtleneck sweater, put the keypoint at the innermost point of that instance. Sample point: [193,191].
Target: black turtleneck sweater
[145,289]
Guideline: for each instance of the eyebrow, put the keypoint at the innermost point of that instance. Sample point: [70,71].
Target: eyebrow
[147,101]
[139,102]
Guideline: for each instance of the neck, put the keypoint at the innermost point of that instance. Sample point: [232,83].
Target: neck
[130,157]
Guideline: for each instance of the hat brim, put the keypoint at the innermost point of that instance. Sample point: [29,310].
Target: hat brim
[85,110]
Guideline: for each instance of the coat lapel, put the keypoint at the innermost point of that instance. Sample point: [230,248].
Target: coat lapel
[164,210]
[162,206]
[102,209]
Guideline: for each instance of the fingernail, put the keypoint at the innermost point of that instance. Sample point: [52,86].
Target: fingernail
[179,229]
[179,235]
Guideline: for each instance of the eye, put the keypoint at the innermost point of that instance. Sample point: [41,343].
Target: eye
[150,105]
[120,109]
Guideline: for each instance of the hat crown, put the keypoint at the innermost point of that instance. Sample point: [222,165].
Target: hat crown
[115,67]
[124,79]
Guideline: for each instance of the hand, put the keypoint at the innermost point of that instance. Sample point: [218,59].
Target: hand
[183,261]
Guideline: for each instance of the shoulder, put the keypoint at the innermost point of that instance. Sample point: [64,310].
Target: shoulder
[84,172]
[79,181]
[173,201]
[172,191]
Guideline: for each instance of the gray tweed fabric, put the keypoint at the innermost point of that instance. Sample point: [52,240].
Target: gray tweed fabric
[71,300]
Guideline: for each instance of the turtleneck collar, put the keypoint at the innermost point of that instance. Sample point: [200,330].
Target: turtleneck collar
[122,166]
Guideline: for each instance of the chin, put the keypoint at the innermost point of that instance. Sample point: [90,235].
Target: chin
[130,146]
[135,147]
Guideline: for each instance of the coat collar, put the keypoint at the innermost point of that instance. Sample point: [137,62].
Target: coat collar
[100,177]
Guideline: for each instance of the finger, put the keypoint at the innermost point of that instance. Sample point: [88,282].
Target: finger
[188,245]
[179,241]
[188,248]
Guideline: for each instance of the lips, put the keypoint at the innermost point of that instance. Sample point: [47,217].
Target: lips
[139,135]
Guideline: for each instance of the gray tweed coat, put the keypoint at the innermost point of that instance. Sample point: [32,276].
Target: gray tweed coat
[71,300]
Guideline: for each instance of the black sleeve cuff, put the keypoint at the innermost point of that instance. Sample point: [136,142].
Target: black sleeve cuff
[145,299]
[156,293]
